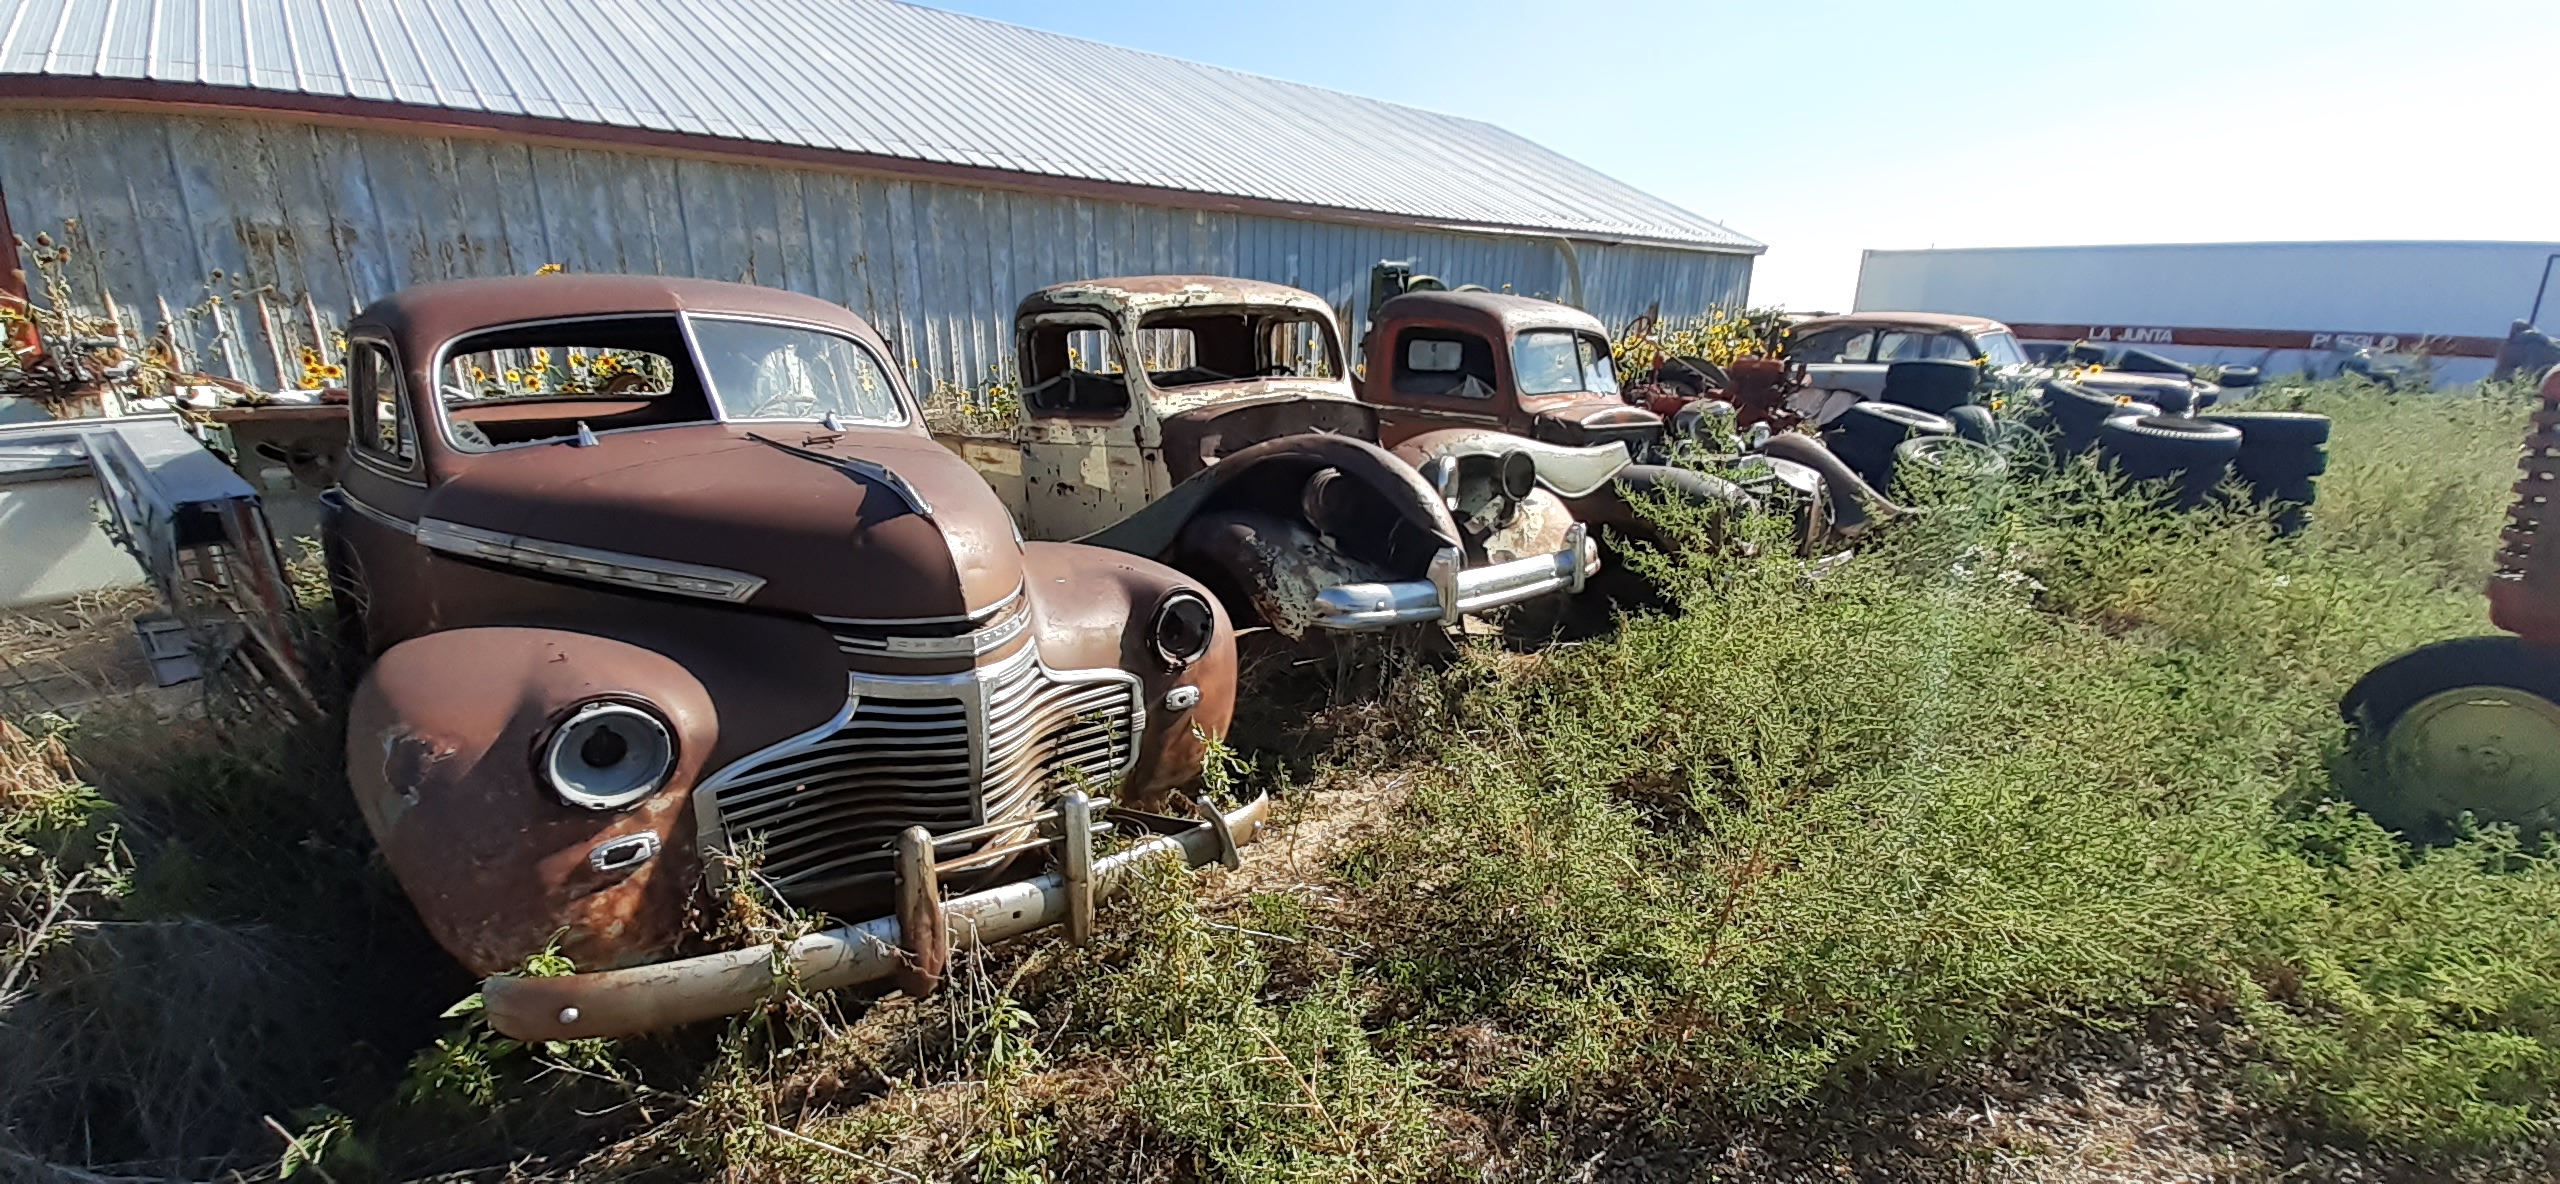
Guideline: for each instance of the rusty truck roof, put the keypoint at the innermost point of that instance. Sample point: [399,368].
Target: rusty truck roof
[1496,312]
[1144,294]
[430,314]
[1959,322]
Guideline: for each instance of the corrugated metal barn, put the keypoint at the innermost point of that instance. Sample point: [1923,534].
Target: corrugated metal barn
[924,168]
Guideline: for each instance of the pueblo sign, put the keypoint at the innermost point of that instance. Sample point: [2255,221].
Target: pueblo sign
[2435,345]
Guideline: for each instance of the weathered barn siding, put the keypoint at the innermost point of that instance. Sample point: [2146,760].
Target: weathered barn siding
[327,218]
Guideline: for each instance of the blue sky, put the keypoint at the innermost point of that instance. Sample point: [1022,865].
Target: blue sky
[1826,128]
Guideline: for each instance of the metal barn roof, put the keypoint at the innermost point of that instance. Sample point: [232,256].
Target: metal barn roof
[866,77]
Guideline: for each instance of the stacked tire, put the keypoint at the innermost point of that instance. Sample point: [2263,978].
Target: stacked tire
[2282,454]
[2074,414]
[2193,455]
[1865,436]
[1936,385]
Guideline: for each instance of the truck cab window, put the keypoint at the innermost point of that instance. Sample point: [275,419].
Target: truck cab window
[1189,349]
[1073,369]
[1444,362]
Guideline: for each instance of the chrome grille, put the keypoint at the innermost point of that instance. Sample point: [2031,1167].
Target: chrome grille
[944,753]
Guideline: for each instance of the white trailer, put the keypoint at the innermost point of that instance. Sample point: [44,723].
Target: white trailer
[2282,307]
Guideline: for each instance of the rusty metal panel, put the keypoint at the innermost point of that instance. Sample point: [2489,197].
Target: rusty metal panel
[307,222]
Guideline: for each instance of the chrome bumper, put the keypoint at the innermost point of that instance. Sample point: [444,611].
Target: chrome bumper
[687,990]
[1453,590]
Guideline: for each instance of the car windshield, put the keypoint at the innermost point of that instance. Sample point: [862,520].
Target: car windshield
[2001,347]
[759,370]
[1554,362]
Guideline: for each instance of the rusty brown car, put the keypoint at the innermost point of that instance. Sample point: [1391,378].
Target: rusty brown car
[662,575]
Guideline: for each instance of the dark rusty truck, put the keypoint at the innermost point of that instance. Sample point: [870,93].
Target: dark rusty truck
[665,578]
[1210,423]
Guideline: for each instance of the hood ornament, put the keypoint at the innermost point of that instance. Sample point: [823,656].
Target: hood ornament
[878,474]
[586,435]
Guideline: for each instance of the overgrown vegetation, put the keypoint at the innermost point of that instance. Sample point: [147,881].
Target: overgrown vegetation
[2038,761]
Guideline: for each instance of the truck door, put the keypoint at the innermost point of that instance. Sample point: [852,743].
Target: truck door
[1434,378]
[1084,462]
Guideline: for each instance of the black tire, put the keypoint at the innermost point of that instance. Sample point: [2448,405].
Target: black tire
[1934,385]
[2176,400]
[2278,447]
[1865,435]
[2075,412]
[1952,458]
[2237,376]
[2294,493]
[2143,361]
[1974,422]
[2276,429]
[2193,453]
[2422,799]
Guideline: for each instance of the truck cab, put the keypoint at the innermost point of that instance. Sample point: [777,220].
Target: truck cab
[1445,359]
[1210,423]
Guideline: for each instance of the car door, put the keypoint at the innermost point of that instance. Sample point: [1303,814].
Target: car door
[369,523]
[1841,359]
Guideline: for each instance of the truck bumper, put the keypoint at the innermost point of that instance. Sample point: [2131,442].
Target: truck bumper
[688,990]
[1453,591]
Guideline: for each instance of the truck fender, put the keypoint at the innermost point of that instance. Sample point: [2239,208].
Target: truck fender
[1271,477]
[443,735]
[1614,505]
[1571,471]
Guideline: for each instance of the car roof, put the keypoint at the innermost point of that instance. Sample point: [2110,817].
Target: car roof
[424,317]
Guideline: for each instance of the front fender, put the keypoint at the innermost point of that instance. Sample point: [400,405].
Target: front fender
[442,736]
[1096,611]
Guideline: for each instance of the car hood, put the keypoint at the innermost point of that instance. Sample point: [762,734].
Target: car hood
[761,500]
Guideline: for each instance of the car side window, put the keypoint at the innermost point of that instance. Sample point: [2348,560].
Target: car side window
[1907,345]
[1444,362]
[381,427]
[1833,346]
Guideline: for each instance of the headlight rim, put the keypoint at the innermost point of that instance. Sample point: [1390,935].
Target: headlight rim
[1156,628]
[552,748]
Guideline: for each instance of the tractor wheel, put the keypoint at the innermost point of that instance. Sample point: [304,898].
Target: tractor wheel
[2466,726]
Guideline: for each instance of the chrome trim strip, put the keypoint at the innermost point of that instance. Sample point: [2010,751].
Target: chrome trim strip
[609,567]
[988,613]
[381,516]
[967,645]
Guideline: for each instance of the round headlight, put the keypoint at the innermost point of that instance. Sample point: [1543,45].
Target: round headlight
[1519,474]
[607,755]
[1182,629]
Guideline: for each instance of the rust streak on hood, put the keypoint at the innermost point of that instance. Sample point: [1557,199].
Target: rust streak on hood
[826,541]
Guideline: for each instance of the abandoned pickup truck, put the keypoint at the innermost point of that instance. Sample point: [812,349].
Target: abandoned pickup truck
[665,575]
[1449,366]
[1209,423]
